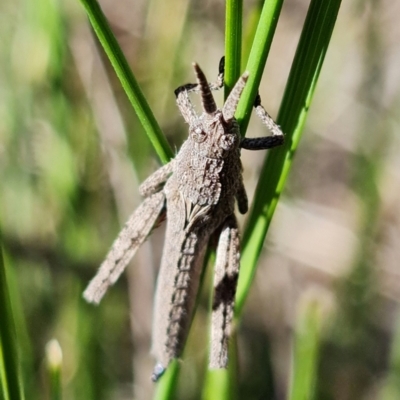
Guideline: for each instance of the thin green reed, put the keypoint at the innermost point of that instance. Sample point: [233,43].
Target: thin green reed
[10,371]
[128,80]
[303,77]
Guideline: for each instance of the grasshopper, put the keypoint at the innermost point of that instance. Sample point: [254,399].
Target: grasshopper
[196,191]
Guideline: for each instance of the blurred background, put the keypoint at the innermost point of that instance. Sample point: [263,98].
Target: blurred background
[72,153]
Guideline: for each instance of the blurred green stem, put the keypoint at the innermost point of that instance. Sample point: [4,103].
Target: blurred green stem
[10,373]
[54,365]
[391,387]
[128,81]
[305,357]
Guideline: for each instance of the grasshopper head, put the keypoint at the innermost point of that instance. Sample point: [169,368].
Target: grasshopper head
[216,131]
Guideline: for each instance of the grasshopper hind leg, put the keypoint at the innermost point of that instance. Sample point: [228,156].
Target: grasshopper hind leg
[226,274]
[134,233]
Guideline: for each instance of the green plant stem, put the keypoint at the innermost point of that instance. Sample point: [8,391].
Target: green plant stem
[391,387]
[54,366]
[257,59]
[128,81]
[166,386]
[233,43]
[306,346]
[10,374]
[310,54]
[222,384]
[55,384]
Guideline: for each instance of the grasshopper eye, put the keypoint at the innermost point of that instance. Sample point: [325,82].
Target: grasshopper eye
[226,142]
[197,134]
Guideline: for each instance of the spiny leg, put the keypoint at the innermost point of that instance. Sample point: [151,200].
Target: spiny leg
[265,119]
[266,142]
[124,248]
[154,182]
[225,281]
[177,287]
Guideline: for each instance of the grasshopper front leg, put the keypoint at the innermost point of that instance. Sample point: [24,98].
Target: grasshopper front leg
[266,142]
[154,182]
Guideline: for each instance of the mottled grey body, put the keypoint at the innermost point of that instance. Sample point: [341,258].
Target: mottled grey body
[198,191]
[200,195]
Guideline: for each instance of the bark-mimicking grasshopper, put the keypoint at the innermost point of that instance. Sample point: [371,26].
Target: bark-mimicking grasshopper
[197,191]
